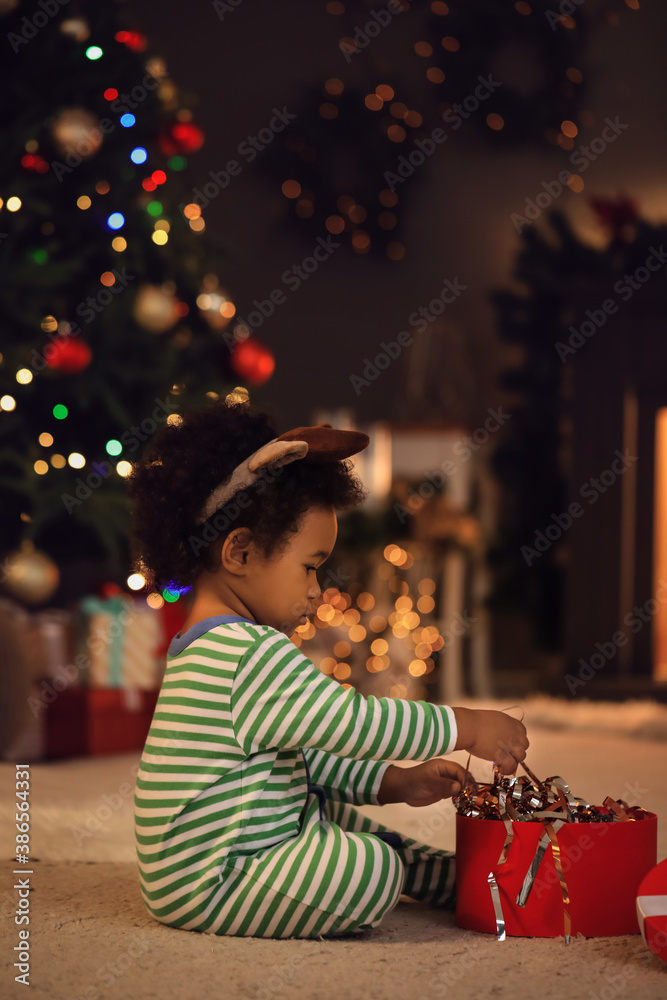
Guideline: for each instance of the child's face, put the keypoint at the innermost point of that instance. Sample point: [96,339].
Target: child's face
[282,589]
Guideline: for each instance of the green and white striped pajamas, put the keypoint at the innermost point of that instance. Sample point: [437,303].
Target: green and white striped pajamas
[232,837]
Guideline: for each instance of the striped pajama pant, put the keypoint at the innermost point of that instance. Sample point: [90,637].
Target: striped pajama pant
[339,876]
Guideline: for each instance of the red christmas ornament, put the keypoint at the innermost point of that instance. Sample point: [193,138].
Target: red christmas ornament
[68,354]
[34,164]
[180,137]
[133,39]
[253,361]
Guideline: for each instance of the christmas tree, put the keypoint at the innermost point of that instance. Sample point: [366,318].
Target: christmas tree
[114,315]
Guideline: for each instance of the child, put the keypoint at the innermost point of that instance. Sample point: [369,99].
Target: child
[244,807]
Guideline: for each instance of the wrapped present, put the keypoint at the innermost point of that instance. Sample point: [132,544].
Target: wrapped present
[49,637]
[95,721]
[121,637]
[38,652]
[19,732]
[46,638]
[534,861]
[652,909]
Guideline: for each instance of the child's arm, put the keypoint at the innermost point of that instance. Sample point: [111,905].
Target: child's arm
[345,780]
[377,783]
[280,699]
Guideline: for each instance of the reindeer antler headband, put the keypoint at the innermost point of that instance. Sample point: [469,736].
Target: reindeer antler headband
[321,443]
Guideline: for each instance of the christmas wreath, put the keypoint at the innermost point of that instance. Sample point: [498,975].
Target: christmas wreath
[530,57]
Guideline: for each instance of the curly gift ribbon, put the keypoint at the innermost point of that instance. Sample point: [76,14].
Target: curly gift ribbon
[493,885]
[555,848]
[509,836]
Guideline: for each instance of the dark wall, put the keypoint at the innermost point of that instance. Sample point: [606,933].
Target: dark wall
[260,55]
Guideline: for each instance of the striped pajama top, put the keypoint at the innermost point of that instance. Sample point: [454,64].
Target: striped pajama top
[243,723]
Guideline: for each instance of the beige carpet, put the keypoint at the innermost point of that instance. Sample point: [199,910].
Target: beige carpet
[92,938]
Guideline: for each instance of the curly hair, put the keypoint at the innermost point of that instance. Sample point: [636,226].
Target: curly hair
[187,459]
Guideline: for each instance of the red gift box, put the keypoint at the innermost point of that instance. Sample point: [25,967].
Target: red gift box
[603,864]
[92,721]
[652,909]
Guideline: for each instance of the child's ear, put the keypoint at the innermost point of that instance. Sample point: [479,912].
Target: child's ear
[235,549]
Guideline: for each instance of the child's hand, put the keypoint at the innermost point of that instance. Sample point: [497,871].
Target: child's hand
[492,736]
[429,782]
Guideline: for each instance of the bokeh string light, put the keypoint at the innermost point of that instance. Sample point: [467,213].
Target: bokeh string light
[365,645]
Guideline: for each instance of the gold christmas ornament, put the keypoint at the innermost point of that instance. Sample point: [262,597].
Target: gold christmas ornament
[76,27]
[157,67]
[30,575]
[214,304]
[77,131]
[155,308]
